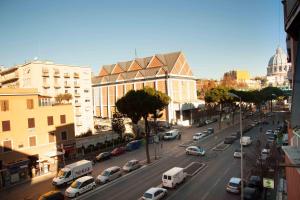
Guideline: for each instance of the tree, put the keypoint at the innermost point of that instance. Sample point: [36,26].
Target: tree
[63,97]
[117,123]
[67,97]
[59,98]
[220,97]
[141,104]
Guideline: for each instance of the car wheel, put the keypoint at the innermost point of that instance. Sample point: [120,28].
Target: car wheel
[93,187]
[77,194]
[187,153]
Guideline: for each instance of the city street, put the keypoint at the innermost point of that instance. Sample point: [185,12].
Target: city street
[219,167]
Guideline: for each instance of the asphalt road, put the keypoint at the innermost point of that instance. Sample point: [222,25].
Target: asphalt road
[209,183]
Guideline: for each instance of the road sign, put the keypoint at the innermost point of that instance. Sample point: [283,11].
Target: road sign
[268,183]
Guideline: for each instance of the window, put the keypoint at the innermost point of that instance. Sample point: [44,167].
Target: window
[64,135]
[51,137]
[50,120]
[29,103]
[32,141]
[86,90]
[4,105]
[63,119]
[7,146]
[66,91]
[87,100]
[31,123]
[6,125]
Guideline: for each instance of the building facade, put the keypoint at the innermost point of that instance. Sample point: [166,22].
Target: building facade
[32,129]
[292,151]
[52,79]
[168,73]
[277,70]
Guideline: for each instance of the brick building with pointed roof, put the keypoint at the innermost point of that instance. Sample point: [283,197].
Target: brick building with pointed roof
[169,73]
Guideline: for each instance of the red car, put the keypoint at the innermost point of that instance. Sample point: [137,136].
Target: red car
[118,151]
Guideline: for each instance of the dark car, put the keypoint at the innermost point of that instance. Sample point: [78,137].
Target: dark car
[133,145]
[255,182]
[210,130]
[118,151]
[201,123]
[229,140]
[103,156]
[52,195]
[251,193]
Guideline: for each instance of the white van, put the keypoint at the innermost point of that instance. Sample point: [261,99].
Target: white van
[70,172]
[172,134]
[173,177]
[80,186]
[245,141]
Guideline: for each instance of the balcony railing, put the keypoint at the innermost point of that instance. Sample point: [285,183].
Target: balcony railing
[78,113]
[45,74]
[56,74]
[76,75]
[46,85]
[66,75]
[77,95]
[9,77]
[67,85]
[78,123]
[77,85]
[77,104]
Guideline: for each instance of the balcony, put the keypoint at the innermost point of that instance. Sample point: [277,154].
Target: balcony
[78,123]
[78,113]
[66,75]
[45,74]
[67,85]
[57,74]
[57,86]
[76,85]
[77,95]
[76,75]
[77,104]
[46,85]
[9,78]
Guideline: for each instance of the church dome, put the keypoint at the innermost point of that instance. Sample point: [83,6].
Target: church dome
[279,59]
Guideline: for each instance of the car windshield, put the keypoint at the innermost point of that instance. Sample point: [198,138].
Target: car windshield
[233,184]
[105,173]
[129,163]
[62,173]
[75,184]
[147,195]
[168,134]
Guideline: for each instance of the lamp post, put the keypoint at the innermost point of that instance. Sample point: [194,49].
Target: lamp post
[241,132]
[272,95]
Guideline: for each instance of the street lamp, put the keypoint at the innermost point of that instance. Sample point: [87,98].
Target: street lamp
[241,132]
[272,95]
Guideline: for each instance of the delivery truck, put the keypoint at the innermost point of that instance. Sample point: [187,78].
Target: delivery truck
[245,140]
[70,172]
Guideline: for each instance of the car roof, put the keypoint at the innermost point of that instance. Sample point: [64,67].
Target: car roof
[235,180]
[194,147]
[133,160]
[112,168]
[153,190]
[84,178]
[198,133]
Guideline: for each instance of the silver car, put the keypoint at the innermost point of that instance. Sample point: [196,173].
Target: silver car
[109,174]
[131,165]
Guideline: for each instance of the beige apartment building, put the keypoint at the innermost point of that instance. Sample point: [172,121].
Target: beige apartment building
[169,73]
[32,130]
[52,79]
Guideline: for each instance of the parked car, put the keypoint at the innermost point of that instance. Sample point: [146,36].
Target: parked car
[229,140]
[269,132]
[255,182]
[109,174]
[103,156]
[52,195]
[198,136]
[265,152]
[173,177]
[201,123]
[118,151]
[271,138]
[131,165]
[133,145]
[237,153]
[155,193]
[195,150]
[234,185]
[80,186]
[172,134]
[210,130]
[251,193]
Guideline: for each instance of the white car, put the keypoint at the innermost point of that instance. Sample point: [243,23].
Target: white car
[198,136]
[269,132]
[265,152]
[155,193]
[237,153]
[109,174]
[194,150]
[131,165]
[80,186]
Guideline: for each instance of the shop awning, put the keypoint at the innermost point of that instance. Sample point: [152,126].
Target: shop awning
[51,154]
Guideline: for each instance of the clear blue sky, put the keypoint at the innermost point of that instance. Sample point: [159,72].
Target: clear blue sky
[215,35]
